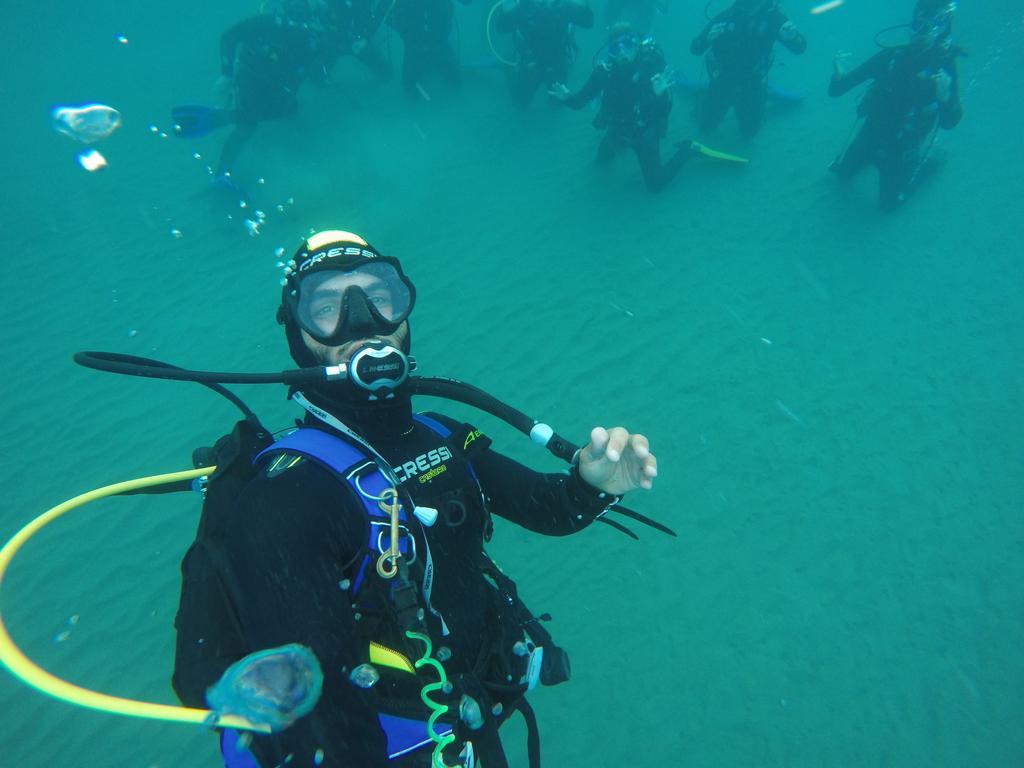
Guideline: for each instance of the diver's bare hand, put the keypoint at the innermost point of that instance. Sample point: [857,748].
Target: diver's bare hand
[716,31]
[614,461]
[558,92]
[943,86]
[662,81]
[223,85]
[839,63]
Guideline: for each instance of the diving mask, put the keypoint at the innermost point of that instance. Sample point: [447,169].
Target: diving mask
[335,305]
[623,48]
[932,26]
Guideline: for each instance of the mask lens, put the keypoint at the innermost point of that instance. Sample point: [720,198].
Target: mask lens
[622,47]
[933,25]
[324,297]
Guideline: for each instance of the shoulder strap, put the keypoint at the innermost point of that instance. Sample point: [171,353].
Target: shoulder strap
[433,424]
[356,467]
[465,440]
[351,464]
[333,452]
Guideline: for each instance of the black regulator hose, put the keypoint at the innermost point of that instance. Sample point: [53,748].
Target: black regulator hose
[450,389]
[431,386]
[130,365]
[453,389]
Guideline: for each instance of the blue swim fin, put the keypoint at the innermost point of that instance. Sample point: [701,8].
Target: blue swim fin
[194,120]
[225,186]
[785,94]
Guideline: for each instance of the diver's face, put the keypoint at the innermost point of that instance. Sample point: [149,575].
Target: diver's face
[342,353]
[933,29]
[925,39]
[624,48]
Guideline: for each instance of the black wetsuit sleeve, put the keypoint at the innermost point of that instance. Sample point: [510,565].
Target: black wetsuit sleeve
[209,639]
[700,43]
[869,70]
[555,504]
[951,110]
[796,44]
[594,85]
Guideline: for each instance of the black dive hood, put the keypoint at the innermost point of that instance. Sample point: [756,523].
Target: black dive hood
[448,389]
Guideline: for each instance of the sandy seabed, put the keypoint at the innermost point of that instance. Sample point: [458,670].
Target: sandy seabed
[834,394]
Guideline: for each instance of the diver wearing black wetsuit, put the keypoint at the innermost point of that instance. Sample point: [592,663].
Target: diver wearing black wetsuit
[425,27]
[299,531]
[263,60]
[543,39]
[635,88]
[914,92]
[350,27]
[288,556]
[738,43]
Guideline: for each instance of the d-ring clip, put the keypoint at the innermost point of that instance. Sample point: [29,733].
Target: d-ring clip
[387,563]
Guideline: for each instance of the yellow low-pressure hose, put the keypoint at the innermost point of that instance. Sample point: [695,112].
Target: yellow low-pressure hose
[36,677]
[490,42]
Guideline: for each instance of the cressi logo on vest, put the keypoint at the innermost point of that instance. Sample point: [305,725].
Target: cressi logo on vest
[428,465]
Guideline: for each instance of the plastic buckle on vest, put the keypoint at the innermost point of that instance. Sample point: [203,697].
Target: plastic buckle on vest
[533,667]
[200,484]
[406,603]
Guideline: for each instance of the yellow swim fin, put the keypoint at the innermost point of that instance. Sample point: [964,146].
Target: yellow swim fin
[696,146]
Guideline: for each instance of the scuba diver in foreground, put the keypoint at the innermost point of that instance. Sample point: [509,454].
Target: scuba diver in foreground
[361,537]
[914,92]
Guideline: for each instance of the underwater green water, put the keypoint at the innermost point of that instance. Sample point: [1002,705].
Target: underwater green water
[834,394]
